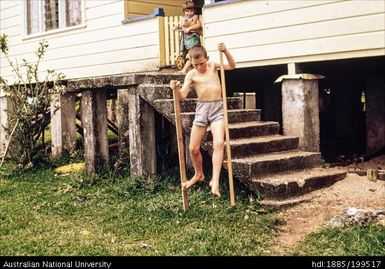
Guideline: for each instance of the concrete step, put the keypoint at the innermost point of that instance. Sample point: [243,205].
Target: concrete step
[250,129]
[245,147]
[291,184]
[152,92]
[275,162]
[157,78]
[188,105]
[234,116]
[122,81]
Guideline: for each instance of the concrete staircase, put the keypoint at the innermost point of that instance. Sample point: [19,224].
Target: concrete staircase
[263,160]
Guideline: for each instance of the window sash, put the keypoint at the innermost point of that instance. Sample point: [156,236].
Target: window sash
[73,12]
[46,15]
[51,14]
[33,15]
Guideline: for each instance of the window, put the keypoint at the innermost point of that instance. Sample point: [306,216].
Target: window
[45,15]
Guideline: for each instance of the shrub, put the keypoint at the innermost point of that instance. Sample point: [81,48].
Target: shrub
[29,100]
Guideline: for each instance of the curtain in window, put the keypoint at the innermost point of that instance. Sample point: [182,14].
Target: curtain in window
[33,20]
[51,14]
[73,12]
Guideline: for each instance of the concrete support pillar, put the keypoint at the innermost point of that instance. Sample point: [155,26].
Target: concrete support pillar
[3,122]
[173,140]
[375,115]
[63,120]
[300,111]
[123,133]
[141,136]
[111,110]
[250,100]
[241,95]
[94,122]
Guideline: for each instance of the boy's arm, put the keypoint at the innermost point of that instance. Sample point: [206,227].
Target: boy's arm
[231,63]
[195,24]
[183,92]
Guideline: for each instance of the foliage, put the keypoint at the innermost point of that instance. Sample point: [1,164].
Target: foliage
[29,99]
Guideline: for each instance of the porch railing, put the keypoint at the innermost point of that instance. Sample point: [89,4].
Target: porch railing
[169,39]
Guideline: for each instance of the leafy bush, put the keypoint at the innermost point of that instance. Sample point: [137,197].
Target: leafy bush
[29,100]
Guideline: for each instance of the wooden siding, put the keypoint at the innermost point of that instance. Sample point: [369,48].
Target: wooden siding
[135,8]
[103,46]
[279,32]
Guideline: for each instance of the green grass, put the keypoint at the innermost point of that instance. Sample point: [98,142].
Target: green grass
[348,241]
[45,214]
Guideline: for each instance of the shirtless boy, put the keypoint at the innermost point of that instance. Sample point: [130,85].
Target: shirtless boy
[209,111]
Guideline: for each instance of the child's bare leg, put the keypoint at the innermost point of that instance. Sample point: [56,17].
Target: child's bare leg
[218,131]
[197,134]
[186,67]
[187,64]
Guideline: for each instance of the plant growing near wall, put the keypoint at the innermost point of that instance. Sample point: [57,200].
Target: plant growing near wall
[29,100]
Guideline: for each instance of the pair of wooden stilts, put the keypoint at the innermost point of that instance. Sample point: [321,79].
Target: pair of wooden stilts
[181,149]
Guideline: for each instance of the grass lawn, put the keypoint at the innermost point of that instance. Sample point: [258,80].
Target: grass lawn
[42,213]
[46,214]
[347,241]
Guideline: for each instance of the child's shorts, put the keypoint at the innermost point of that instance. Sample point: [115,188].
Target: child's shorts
[208,112]
[190,41]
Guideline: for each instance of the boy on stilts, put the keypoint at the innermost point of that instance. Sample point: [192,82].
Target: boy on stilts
[209,111]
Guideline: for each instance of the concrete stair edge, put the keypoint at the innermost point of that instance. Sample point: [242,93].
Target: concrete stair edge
[268,163]
[245,147]
[299,182]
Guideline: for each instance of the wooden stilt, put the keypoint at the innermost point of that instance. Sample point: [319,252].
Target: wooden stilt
[227,133]
[179,135]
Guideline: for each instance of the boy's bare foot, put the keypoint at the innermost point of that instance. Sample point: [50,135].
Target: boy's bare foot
[192,181]
[214,189]
[215,193]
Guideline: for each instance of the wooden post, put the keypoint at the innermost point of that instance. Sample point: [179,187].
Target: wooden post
[162,42]
[228,150]
[63,123]
[141,135]
[179,135]
[94,122]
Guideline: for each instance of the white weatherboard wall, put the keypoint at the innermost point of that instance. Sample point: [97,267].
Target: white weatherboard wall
[278,32]
[103,46]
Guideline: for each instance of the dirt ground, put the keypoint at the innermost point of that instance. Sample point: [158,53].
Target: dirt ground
[353,191]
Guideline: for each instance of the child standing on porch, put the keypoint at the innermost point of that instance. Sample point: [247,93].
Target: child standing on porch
[209,111]
[192,28]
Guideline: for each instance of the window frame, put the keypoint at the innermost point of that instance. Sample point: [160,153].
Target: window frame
[62,21]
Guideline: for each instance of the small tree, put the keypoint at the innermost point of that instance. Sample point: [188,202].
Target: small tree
[29,101]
